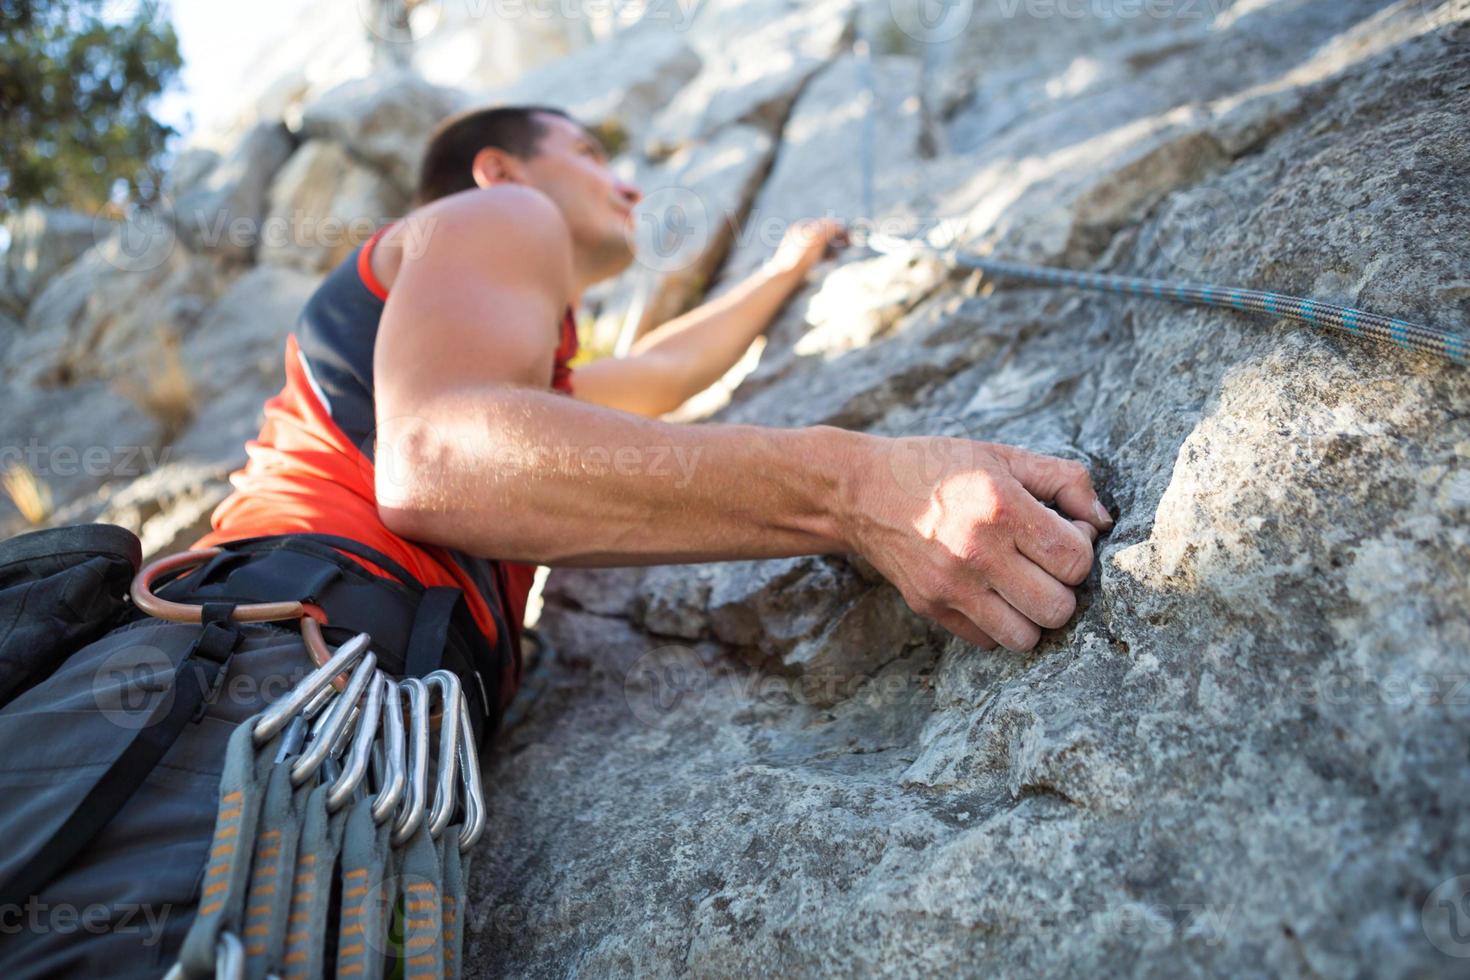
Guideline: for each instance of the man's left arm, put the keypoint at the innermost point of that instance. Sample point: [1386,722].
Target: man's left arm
[676,361]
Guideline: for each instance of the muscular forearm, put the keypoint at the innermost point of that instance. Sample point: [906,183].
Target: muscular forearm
[697,348]
[525,475]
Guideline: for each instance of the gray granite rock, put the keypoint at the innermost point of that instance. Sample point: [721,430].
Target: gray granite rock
[383,119]
[322,205]
[43,241]
[1246,754]
[220,211]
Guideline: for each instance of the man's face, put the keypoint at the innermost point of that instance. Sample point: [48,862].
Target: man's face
[571,167]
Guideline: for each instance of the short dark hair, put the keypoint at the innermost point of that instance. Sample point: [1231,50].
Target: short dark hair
[445,168]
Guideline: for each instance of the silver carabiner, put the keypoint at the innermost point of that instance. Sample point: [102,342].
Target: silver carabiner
[356,765]
[332,723]
[278,715]
[394,778]
[416,798]
[446,776]
[475,816]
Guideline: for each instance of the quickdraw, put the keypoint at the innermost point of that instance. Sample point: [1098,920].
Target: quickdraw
[331,781]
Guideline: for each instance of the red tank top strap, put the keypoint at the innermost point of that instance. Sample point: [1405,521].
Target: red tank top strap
[365,265]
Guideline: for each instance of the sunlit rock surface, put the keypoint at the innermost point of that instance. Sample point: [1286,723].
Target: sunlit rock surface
[1249,752]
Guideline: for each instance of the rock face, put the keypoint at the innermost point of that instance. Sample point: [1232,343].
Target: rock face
[1249,752]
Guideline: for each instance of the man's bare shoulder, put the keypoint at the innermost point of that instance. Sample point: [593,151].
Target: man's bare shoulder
[509,227]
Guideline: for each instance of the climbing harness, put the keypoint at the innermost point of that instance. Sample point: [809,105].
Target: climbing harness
[329,785]
[1358,323]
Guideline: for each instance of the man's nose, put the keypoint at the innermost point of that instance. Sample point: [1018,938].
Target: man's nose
[630,194]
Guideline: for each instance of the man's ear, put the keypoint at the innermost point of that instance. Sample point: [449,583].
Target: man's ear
[493,165]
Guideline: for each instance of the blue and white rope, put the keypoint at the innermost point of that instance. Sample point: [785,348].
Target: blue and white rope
[1358,323]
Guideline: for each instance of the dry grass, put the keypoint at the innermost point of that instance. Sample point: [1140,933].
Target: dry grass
[31,496]
[165,391]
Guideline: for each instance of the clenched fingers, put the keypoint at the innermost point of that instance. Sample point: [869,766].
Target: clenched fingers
[1064,481]
[1058,545]
[956,623]
[998,618]
[1035,593]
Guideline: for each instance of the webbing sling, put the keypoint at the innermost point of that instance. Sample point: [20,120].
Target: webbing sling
[421,889]
[367,868]
[222,892]
[455,874]
[268,898]
[195,684]
[316,864]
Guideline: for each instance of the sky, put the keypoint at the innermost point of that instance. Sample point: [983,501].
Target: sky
[219,41]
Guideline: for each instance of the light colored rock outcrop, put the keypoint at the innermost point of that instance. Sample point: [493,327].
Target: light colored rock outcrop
[1246,754]
[757,56]
[221,211]
[43,241]
[618,86]
[107,311]
[383,119]
[323,204]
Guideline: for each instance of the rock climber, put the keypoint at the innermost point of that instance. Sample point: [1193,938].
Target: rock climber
[432,444]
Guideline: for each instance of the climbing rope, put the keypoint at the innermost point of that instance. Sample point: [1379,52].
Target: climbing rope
[1358,323]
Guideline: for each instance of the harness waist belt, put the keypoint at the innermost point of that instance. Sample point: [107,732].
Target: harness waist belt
[414,630]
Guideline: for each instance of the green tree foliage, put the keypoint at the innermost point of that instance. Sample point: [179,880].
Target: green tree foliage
[77,80]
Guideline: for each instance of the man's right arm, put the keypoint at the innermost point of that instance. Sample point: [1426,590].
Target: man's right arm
[473,455]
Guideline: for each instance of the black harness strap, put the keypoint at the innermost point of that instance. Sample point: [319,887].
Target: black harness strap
[195,684]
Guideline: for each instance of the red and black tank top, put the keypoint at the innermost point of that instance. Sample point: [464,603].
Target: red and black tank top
[311,468]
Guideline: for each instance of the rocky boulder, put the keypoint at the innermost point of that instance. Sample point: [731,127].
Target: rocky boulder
[1246,754]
